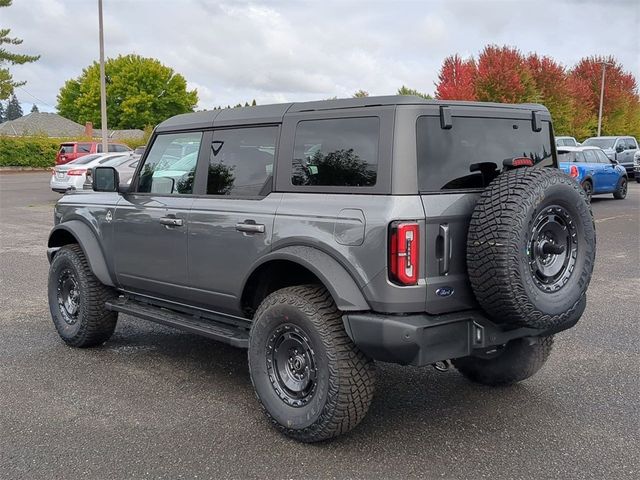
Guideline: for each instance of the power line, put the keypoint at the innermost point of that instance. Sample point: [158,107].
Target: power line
[42,102]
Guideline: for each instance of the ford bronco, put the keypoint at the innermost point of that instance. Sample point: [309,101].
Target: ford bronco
[323,236]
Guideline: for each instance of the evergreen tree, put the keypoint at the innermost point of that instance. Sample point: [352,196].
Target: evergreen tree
[1,112]
[253,104]
[34,109]
[14,110]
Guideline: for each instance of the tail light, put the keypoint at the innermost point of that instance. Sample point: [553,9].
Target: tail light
[404,243]
[76,172]
[573,171]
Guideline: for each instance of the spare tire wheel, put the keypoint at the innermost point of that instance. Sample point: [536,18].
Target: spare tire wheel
[531,248]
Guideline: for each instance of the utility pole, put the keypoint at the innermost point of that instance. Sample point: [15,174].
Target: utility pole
[604,67]
[103,86]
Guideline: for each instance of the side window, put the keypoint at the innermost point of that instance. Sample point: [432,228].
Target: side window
[602,157]
[580,157]
[241,161]
[84,147]
[337,152]
[99,148]
[590,156]
[631,144]
[171,164]
[120,148]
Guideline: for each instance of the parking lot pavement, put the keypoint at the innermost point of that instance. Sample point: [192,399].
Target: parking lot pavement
[158,403]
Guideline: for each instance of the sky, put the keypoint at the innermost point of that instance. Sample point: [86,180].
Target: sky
[296,50]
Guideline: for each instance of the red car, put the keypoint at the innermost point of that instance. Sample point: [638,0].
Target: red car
[71,150]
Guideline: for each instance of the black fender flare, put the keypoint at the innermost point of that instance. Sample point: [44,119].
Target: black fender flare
[330,272]
[88,241]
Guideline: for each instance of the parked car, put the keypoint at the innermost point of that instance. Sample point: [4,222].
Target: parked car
[636,165]
[566,142]
[72,175]
[322,236]
[140,150]
[126,166]
[620,148]
[594,170]
[70,151]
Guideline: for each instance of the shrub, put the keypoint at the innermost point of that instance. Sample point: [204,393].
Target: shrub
[33,151]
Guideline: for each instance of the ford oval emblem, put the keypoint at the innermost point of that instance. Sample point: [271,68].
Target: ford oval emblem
[444,291]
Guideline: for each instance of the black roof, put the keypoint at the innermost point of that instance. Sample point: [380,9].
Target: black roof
[274,113]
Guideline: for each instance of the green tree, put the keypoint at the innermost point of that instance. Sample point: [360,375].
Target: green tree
[7,83]
[410,91]
[361,94]
[35,109]
[1,112]
[140,92]
[14,110]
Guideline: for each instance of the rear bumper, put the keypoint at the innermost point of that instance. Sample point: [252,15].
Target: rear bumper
[422,339]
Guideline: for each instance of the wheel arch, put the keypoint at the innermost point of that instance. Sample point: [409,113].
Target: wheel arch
[295,265]
[76,231]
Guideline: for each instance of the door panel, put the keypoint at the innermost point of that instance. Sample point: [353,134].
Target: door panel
[151,255]
[226,237]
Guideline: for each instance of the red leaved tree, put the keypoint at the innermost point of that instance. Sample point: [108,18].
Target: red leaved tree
[456,79]
[551,83]
[504,76]
[621,106]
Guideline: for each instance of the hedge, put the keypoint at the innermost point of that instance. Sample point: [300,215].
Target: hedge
[38,151]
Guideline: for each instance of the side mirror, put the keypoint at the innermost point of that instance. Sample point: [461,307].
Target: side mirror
[105,179]
[614,162]
[619,149]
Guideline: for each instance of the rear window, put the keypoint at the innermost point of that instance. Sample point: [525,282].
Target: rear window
[337,152]
[66,148]
[470,154]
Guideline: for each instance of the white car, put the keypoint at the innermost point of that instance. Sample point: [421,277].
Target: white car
[72,175]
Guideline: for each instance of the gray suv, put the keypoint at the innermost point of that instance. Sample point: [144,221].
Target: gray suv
[322,236]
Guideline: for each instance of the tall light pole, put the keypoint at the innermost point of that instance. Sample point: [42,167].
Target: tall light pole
[604,67]
[103,86]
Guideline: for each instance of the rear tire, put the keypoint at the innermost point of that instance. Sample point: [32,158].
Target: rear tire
[516,361]
[312,381]
[620,193]
[77,298]
[531,249]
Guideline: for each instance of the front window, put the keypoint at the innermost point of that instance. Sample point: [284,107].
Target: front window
[171,164]
[470,154]
[337,152]
[599,142]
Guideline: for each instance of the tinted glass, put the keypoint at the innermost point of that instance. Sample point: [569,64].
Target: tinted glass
[241,161]
[590,156]
[171,164]
[470,154]
[85,159]
[338,152]
[599,142]
[84,147]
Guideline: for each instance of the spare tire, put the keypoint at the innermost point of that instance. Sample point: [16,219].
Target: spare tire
[531,249]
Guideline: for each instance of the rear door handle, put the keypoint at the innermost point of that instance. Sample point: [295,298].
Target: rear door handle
[446,248]
[171,221]
[250,226]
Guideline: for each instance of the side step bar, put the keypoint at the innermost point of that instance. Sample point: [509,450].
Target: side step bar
[218,330]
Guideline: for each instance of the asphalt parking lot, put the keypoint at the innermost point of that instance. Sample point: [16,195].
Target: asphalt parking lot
[158,403]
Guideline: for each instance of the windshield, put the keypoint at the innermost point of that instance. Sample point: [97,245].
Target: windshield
[470,154]
[599,142]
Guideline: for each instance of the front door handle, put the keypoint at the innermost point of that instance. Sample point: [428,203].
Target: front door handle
[171,221]
[250,226]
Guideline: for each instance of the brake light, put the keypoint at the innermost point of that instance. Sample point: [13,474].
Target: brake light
[404,242]
[76,172]
[522,162]
[573,171]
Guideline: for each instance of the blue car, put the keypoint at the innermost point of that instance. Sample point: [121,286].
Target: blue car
[591,167]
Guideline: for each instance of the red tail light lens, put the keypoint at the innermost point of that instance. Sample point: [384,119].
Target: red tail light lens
[76,172]
[573,171]
[404,245]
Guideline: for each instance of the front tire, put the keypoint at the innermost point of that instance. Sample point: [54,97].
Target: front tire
[516,361]
[312,381]
[620,193]
[77,298]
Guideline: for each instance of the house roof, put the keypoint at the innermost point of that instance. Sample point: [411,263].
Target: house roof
[42,123]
